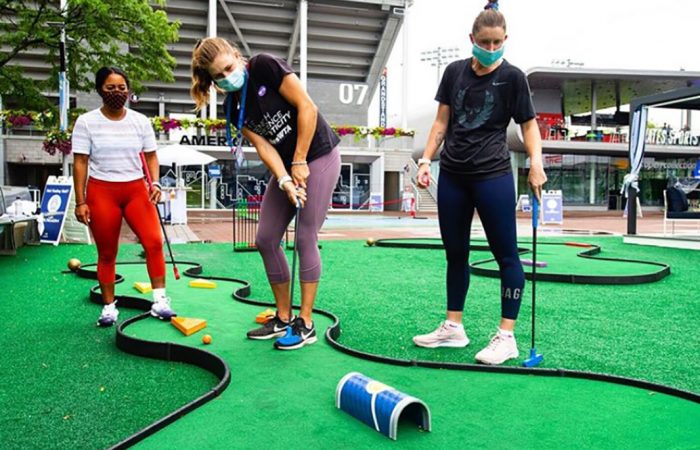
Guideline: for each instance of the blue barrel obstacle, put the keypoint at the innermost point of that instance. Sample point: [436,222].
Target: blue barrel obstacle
[378,405]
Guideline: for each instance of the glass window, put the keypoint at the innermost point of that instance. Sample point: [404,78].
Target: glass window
[577,175]
[341,194]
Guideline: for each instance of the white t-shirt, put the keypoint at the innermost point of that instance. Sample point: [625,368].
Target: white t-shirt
[114,145]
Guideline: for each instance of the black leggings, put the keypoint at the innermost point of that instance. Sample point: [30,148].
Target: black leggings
[494,199]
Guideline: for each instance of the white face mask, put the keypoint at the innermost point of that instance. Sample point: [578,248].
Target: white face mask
[233,81]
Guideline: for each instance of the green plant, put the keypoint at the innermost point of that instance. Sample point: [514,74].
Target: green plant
[58,141]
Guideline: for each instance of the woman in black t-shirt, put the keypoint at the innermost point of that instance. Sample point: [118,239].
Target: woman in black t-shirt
[477,99]
[268,103]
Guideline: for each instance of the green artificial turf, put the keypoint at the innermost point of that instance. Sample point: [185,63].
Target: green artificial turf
[64,384]
[383,296]
[290,395]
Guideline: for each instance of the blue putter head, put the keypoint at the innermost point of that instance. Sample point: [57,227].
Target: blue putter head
[534,359]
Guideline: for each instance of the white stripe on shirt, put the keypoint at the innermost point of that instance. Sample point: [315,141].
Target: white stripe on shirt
[113,145]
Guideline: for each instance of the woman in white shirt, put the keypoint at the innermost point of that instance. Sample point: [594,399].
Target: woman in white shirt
[109,186]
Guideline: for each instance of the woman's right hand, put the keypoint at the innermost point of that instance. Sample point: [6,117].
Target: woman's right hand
[294,193]
[82,213]
[423,177]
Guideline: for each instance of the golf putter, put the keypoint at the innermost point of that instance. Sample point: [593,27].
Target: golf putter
[294,269]
[535,358]
[176,272]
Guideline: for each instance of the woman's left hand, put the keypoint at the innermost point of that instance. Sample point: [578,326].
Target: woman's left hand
[295,194]
[300,173]
[154,195]
[537,178]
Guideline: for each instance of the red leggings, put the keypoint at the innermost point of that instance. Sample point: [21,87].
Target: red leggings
[111,201]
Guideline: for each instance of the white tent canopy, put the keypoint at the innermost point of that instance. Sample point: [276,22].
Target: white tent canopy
[685,99]
[182,155]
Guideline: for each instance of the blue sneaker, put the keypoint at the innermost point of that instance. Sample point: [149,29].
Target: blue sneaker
[297,336]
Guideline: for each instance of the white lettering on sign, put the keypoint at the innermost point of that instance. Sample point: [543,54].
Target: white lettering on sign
[352,93]
[659,136]
[646,164]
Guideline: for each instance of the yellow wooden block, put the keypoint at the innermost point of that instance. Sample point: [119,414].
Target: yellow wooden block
[143,287]
[265,316]
[188,325]
[201,283]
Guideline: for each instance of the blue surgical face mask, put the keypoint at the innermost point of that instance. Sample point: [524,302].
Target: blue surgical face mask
[485,57]
[233,81]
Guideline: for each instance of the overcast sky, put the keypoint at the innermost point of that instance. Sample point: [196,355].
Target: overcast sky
[609,34]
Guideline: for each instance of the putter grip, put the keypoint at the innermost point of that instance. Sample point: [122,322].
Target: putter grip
[535,211]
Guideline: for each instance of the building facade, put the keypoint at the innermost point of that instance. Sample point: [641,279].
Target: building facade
[339,49]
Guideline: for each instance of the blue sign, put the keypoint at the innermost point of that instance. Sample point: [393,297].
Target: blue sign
[382,98]
[214,171]
[54,206]
[376,201]
[552,207]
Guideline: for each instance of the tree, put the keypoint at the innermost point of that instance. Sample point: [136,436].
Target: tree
[130,34]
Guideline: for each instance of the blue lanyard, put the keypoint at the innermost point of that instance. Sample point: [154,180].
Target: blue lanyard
[241,117]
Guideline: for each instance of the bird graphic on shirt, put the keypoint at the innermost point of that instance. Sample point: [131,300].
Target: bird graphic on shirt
[477,110]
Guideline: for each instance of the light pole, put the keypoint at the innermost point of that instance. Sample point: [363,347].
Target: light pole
[440,57]
[2,147]
[63,84]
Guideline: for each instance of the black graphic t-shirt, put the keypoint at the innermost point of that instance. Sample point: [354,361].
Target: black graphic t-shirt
[480,109]
[268,113]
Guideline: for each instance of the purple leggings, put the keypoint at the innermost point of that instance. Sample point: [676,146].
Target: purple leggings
[276,212]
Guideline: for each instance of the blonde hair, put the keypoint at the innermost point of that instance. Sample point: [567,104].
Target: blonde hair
[488,18]
[203,55]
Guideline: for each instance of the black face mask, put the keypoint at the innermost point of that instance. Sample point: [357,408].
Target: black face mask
[115,99]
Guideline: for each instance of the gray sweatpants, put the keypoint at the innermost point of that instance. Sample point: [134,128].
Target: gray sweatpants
[276,212]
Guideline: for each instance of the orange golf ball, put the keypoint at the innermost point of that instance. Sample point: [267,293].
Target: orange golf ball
[206,339]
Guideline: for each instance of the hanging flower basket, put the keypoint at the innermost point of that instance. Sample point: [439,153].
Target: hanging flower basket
[58,141]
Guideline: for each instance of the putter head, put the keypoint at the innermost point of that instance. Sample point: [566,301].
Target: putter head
[534,359]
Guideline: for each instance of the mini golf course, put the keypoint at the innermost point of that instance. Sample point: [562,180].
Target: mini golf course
[243,394]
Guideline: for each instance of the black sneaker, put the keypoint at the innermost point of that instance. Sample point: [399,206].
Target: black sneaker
[272,329]
[297,336]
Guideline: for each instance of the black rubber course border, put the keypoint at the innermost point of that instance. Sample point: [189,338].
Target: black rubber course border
[217,366]
[162,350]
[334,331]
[589,252]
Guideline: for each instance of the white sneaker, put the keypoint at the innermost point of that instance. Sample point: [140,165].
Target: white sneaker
[500,349]
[162,310]
[109,315]
[446,335]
